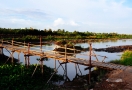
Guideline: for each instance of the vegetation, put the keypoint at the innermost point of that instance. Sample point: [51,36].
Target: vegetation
[126,59]
[28,34]
[18,77]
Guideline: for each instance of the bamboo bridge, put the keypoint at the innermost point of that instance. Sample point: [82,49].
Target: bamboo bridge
[21,47]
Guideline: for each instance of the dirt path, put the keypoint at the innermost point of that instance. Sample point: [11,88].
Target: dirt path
[116,80]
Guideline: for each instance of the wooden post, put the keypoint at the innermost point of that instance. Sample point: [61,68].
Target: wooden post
[41,43]
[55,66]
[90,48]
[2,42]
[28,62]
[75,57]
[28,55]
[65,53]
[18,57]
[25,59]
[12,56]
[41,63]
[66,62]
[55,61]
[1,48]
[76,69]
[24,44]
[28,48]
[12,42]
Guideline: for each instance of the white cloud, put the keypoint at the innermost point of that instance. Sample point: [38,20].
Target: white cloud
[92,15]
[58,21]
[73,23]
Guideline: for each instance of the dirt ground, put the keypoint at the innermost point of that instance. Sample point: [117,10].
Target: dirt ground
[116,80]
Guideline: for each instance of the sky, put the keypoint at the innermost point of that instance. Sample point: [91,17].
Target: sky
[80,15]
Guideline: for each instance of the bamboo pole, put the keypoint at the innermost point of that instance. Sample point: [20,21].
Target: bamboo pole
[90,49]
[12,59]
[75,57]
[25,60]
[41,65]
[18,57]
[41,43]
[66,62]
[12,42]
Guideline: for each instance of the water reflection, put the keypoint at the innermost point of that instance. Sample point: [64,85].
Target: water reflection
[71,67]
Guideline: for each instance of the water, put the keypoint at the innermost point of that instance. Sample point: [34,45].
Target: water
[71,67]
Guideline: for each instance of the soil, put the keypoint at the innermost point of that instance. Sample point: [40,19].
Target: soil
[113,80]
[116,80]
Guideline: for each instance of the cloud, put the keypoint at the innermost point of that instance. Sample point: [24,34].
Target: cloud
[73,23]
[91,15]
[58,21]
[62,22]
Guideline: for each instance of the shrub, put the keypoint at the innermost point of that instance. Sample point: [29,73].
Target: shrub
[126,59]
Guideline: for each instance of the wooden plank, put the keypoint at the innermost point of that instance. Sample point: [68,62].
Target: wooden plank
[117,67]
[99,64]
[107,65]
[111,66]
[124,67]
[96,63]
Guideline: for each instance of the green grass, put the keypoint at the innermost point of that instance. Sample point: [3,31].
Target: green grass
[126,59]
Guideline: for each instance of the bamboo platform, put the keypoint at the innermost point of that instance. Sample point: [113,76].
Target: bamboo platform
[22,48]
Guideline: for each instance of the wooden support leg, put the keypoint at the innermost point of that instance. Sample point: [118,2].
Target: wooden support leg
[1,51]
[18,57]
[8,58]
[61,66]
[41,65]
[66,77]
[79,69]
[76,70]
[12,58]
[28,61]
[55,66]
[89,75]
[25,60]
[53,74]
[35,69]
[65,71]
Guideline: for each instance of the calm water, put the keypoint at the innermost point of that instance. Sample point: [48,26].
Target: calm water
[71,66]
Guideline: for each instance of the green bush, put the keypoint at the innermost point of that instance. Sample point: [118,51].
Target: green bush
[126,54]
[126,59]
[18,77]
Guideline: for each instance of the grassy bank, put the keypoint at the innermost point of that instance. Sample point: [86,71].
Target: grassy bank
[126,59]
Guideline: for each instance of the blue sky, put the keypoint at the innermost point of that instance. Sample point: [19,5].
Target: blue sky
[81,15]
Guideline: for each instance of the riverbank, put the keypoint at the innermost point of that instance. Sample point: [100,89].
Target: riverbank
[116,80]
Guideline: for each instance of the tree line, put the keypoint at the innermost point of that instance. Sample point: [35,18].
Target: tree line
[60,33]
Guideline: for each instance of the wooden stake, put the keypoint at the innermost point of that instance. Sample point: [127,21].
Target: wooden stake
[90,62]
[41,43]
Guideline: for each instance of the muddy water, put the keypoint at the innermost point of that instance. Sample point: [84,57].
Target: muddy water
[71,66]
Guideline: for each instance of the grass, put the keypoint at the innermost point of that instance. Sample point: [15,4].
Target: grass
[126,59]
